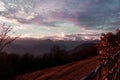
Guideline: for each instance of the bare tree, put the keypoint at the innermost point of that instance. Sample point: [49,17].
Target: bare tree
[6,33]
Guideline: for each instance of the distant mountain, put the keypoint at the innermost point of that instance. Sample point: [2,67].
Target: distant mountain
[39,47]
[83,47]
[85,50]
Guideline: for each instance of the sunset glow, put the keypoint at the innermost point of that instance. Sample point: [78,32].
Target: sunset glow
[43,18]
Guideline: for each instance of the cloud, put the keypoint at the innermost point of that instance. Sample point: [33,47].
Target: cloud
[103,13]
[74,37]
[68,16]
[2,6]
[21,27]
[4,19]
[43,12]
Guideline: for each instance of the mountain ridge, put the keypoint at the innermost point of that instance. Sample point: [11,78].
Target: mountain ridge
[39,47]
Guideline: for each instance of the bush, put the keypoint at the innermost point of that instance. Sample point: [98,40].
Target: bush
[109,44]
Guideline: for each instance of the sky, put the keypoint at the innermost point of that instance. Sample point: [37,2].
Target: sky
[61,19]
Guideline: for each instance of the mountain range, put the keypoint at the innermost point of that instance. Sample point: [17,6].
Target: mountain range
[39,47]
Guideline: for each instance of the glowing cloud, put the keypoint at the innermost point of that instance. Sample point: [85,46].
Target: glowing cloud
[2,6]
[41,18]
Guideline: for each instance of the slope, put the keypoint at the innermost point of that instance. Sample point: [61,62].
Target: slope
[72,71]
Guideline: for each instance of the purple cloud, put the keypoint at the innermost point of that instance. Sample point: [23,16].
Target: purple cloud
[90,14]
[47,12]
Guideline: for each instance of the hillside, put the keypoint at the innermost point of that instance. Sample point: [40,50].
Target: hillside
[40,47]
[72,71]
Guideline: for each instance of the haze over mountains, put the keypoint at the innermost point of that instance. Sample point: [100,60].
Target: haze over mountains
[39,47]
